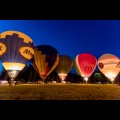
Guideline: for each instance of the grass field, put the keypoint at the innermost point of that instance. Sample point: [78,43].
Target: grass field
[60,92]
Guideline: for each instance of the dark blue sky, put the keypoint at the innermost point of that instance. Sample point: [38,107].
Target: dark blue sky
[71,37]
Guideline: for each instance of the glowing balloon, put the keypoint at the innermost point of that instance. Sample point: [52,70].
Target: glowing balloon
[108,65]
[45,60]
[64,66]
[16,49]
[85,65]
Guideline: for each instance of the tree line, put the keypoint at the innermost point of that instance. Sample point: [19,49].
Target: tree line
[28,74]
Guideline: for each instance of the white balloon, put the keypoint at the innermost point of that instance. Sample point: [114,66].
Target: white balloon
[108,64]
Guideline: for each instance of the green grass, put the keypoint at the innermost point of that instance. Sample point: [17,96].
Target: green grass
[60,92]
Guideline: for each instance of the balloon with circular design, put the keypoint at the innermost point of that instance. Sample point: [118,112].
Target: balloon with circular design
[16,49]
[108,64]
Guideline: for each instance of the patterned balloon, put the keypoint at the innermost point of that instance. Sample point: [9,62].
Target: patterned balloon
[16,49]
[108,64]
[45,60]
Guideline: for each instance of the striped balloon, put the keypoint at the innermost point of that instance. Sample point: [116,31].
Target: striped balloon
[108,64]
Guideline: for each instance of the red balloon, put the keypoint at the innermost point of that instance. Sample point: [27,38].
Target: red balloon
[85,64]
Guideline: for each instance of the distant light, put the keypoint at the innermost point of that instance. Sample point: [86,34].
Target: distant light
[13,73]
[112,79]
[111,76]
[86,79]
[62,76]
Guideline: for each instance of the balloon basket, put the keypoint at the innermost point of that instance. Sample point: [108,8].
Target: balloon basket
[112,82]
[11,83]
[63,82]
[42,81]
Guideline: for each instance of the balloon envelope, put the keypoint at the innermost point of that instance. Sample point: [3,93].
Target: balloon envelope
[16,48]
[64,66]
[85,64]
[108,65]
[45,60]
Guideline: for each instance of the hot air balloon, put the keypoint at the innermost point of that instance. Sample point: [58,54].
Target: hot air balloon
[85,65]
[45,60]
[16,49]
[108,64]
[64,66]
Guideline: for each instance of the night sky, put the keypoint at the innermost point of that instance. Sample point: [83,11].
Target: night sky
[71,37]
